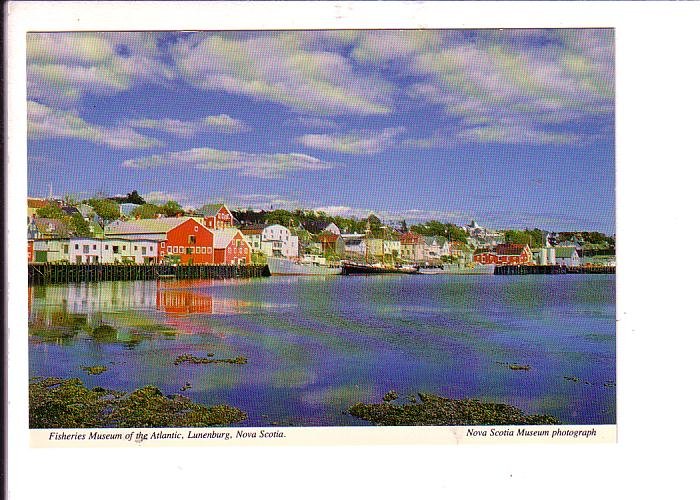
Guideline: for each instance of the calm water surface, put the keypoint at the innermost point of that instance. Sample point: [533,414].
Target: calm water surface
[316,345]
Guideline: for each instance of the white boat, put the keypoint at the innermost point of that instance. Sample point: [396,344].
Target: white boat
[433,270]
[286,267]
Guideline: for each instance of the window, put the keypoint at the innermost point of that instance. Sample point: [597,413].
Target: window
[196,228]
[76,246]
[162,244]
[123,247]
[94,247]
[86,248]
[136,247]
[208,249]
[182,249]
[191,240]
[170,249]
[151,248]
[65,248]
[115,249]
[198,250]
[238,243]
[106,247]
[188,250]
[143,250]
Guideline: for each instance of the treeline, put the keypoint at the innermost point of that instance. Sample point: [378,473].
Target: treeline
[103,210]
[107,210]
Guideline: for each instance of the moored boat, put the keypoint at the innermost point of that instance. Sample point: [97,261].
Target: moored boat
[432,270]
[281,267]
[356,268]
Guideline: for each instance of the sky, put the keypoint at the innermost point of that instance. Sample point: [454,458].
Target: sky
[512,128]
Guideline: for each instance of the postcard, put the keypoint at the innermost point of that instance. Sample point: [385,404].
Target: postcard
[270,230]
[261,234]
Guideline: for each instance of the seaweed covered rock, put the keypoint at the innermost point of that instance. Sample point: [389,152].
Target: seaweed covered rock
[67,403]
[104,333]
[94,370]
[191,359]
[437,410]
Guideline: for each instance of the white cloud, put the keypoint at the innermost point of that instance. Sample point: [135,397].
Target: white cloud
[251,164]
[62,67]
[281,68]
[360,142]
[44,122]
[517,134]
[223,124]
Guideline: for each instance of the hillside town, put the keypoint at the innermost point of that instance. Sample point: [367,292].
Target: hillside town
[129,230]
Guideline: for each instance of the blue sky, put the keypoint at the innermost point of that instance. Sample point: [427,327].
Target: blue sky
[514,128]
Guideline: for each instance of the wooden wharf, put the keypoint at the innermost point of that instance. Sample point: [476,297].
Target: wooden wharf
[44,273]
[520,270]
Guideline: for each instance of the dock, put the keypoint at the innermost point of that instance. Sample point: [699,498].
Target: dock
[51,273]
[529,269]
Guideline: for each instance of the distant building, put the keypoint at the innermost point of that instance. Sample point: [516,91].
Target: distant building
[505,254]
[252,233]
[318,227]
[330,242]
[413,248]
[355,245]
[41,227]
[483,237]
[217,216]
[34,204]
[278,241]
[567,256]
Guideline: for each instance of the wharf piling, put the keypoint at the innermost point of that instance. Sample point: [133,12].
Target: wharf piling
[50,273]
[520,270]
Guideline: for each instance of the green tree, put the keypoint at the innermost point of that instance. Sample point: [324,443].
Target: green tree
[79,226]
[146,211]
[51,211]
[135,197]
[535,238]
[170,208]
[106,209]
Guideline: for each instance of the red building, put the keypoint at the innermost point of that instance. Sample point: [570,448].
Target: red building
[30,251]
[231,248]
[505,254]
[217,216]
[183,239]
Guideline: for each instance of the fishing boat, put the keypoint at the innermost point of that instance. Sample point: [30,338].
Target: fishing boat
[432,270]
[357,268]
[286,267]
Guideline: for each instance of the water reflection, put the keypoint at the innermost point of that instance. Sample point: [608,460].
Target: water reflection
[317,345]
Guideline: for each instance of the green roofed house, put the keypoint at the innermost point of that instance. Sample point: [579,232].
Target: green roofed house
[567,256]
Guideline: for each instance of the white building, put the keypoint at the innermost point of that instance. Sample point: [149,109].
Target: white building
[354,243]
[113,250]
[278,241]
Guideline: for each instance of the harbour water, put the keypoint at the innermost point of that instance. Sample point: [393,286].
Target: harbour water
[317,345]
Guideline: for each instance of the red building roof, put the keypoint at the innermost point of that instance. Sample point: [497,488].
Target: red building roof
[509,249]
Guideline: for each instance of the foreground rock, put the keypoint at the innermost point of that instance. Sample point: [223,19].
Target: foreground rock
[436,410]
[56,403]
[189,358]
